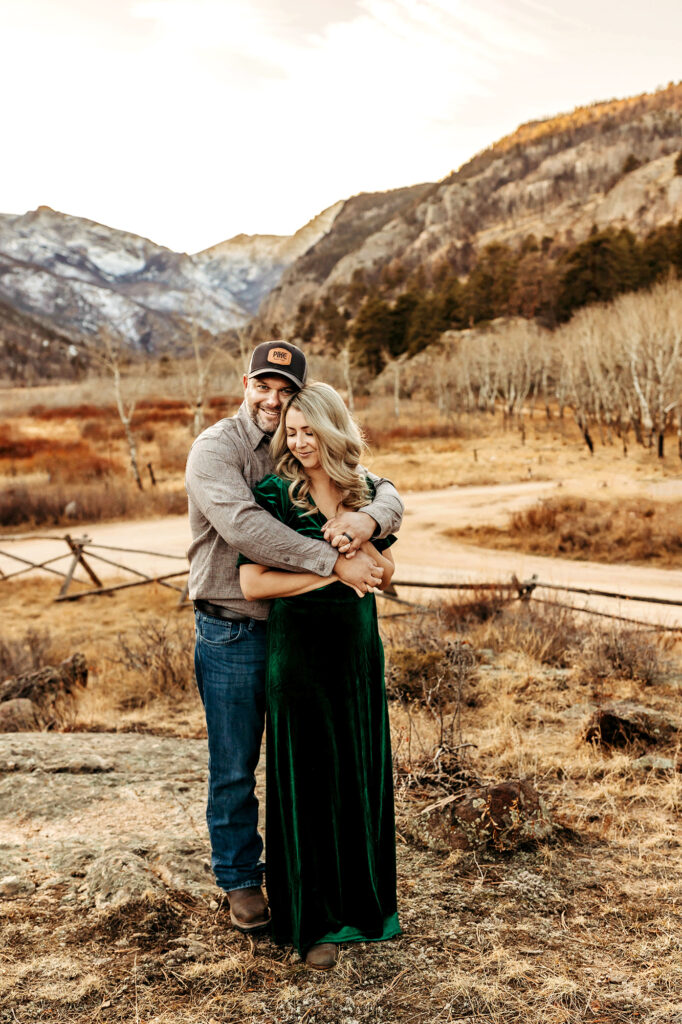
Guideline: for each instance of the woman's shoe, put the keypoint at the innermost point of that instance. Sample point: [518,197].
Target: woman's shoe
[323,956]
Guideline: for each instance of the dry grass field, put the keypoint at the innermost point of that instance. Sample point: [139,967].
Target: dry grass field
[584,926]
[64,449]
[638,532]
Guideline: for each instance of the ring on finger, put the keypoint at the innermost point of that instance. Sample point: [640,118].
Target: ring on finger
[350,539]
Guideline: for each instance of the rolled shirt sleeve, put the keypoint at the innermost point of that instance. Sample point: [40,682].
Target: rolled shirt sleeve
[386,508]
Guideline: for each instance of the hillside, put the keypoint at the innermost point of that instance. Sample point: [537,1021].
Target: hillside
[609,165]
[250,266]
[31,349]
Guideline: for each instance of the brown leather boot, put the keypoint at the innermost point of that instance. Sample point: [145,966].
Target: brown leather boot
[323,957]
[249,910]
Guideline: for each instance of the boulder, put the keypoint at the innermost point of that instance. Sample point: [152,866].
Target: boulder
[624,722]
[503,816]
[119,876]
[14,885]
[19,715]
[104,821]
[50,689]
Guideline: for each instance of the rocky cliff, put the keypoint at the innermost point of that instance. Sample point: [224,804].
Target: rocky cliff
[610,164]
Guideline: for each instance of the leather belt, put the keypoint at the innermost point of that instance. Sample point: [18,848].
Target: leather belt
[219,612]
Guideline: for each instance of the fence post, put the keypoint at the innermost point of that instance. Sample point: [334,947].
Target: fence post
[77,549]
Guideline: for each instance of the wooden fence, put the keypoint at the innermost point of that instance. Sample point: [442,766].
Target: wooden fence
[83,552]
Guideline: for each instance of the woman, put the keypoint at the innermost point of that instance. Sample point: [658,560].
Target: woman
[329,811]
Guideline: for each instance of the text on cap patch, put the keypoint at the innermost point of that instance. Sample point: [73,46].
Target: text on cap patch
[281,356]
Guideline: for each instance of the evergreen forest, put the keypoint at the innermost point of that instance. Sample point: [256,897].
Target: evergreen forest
[402,311]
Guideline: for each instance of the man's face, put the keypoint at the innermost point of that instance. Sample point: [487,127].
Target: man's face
[265,397]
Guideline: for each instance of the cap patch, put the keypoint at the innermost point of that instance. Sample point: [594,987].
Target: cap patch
[279,356]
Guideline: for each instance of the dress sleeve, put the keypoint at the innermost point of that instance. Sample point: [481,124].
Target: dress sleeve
[272,495]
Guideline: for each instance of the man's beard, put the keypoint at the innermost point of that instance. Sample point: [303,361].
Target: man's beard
[267,428]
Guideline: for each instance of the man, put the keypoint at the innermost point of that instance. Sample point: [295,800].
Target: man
[224,463]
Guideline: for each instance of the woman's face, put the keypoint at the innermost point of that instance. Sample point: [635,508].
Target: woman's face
[301,440]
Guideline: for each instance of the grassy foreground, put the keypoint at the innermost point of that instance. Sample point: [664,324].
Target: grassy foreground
[586,926]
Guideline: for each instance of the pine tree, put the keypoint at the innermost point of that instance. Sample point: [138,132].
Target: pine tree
[371,330]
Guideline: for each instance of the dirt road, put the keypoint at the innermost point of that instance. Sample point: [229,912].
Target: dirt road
[423,554]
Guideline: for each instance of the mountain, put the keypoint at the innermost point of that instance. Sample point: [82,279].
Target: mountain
[78,275]
[250,266]
[609,165]
[369,223]
[536,194]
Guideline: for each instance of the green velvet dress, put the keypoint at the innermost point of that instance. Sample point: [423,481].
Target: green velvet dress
[330,832]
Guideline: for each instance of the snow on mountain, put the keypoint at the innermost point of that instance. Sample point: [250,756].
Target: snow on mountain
[252,265]
[81,275]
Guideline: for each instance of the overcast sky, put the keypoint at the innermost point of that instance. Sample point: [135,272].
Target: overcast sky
[189,121]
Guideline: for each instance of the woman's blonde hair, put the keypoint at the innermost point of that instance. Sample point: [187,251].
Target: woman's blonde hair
[339,444]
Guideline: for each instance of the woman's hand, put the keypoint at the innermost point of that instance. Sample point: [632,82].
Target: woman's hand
[384,560]
[347,531]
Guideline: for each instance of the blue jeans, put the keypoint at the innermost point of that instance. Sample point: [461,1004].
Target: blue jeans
[229,661]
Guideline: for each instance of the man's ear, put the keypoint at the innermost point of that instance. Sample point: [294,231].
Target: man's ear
[245,381]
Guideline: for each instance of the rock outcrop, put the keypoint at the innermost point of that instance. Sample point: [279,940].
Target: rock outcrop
[19,715]
[624,722]
[99,820]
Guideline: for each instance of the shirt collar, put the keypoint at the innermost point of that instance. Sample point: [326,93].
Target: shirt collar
[253,431]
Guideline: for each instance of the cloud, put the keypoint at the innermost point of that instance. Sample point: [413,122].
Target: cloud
[201,119]
[191,121]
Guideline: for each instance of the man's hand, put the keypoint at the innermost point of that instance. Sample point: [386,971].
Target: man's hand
[361,573]
[347,531]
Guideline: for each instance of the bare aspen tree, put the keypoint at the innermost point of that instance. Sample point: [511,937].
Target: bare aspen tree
[344,356]
[109,350]
[654,326]
[202,370]
[392,369]
[244,343]
[206,356]
[576,389]
[516,352]
[440,382]
[621,366]
[457,384]
[677,419]
[484,372]
[591,334]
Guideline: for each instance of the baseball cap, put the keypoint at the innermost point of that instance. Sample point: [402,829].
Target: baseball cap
[279,358]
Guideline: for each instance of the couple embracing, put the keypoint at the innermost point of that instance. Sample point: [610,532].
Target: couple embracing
[289,538]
